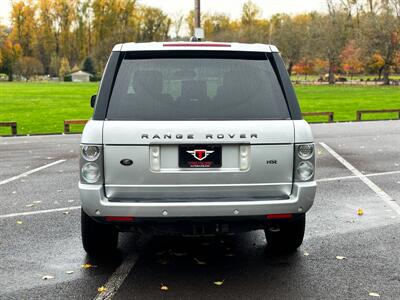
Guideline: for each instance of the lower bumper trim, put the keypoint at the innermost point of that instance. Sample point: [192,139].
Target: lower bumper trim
[95,204]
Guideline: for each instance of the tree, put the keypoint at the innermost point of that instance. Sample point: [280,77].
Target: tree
[28,66]
[10,52]
[351,59]
[380,34]
[177,22]
[63,17]
[252,27]
[250,13]
[304,67]
[65,68]
[45,34]
[54,65]
[88,66]
[329,35]
[217,27]
[154,25]
[375,64]
[291,35]
[23,25]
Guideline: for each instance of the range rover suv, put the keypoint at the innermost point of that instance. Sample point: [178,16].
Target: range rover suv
[195,138]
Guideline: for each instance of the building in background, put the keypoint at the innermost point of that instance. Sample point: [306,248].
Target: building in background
[80,76]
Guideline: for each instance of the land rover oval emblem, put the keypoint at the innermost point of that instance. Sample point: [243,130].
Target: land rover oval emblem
[126,162]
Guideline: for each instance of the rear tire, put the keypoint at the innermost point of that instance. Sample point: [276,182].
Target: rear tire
[288,238]
[98,239]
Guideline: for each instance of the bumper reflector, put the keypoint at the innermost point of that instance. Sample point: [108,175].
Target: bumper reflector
[279,216]
[119,219]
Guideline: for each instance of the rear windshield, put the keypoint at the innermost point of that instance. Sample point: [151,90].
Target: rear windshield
[196,86]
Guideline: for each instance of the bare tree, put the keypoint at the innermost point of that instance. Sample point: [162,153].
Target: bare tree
[177,22]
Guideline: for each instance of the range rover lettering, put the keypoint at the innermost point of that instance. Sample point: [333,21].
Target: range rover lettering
[193,139]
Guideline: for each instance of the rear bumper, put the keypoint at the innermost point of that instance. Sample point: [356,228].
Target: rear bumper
[95,204]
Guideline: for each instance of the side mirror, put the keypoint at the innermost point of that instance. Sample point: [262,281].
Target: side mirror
[93,100]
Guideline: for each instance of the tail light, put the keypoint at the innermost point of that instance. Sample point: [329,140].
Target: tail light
[304,162]
[279,216]
[91,164]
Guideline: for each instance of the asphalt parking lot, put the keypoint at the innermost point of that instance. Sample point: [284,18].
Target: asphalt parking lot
[344,255]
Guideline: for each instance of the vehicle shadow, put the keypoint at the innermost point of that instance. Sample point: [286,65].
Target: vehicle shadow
[193,267]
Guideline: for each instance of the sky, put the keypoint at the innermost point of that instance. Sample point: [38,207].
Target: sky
[229,7]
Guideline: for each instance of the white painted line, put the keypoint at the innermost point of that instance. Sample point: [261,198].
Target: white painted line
[32,171]
[37,212]
[352,177]
[117,278]
[381,194]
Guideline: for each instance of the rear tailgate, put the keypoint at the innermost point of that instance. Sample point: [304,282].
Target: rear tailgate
[266,145]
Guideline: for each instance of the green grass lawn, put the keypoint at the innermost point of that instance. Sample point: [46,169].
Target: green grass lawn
[42,107]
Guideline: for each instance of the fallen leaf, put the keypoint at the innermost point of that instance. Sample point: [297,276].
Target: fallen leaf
[47,277]
[219,283]
[59,191]
[372,294]
[102,289]
[65,212]
[19,222]
[306,254]
[69,272]
[163,287]
[88,266]
[199,262]
[360,212]
[30,205]
[14,192]
[341,257]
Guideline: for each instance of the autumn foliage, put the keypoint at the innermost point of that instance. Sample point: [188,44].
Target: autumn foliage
[352,37]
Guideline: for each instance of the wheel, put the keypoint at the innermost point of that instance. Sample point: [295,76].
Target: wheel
[98,239]
[286,237]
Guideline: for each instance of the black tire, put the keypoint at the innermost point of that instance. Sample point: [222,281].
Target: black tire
[98,239]
[288,238]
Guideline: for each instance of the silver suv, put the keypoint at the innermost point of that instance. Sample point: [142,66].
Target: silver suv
[195,139]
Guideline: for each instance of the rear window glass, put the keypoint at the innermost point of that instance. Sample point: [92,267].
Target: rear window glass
[196,86]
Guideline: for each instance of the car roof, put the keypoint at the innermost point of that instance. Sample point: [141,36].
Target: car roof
[214,46]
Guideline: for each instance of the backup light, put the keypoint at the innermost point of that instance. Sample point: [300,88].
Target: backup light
[90,172]
[305,170]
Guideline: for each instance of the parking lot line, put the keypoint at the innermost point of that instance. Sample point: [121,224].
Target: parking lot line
[354,176]
[36,212]
[381,194]
[32,171]
[117,278]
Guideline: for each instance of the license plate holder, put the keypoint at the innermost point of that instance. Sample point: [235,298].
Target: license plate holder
[200,156]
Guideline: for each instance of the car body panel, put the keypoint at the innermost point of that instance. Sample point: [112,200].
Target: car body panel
[164,190]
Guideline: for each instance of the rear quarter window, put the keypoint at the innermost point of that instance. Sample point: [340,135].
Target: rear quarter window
[196,85]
